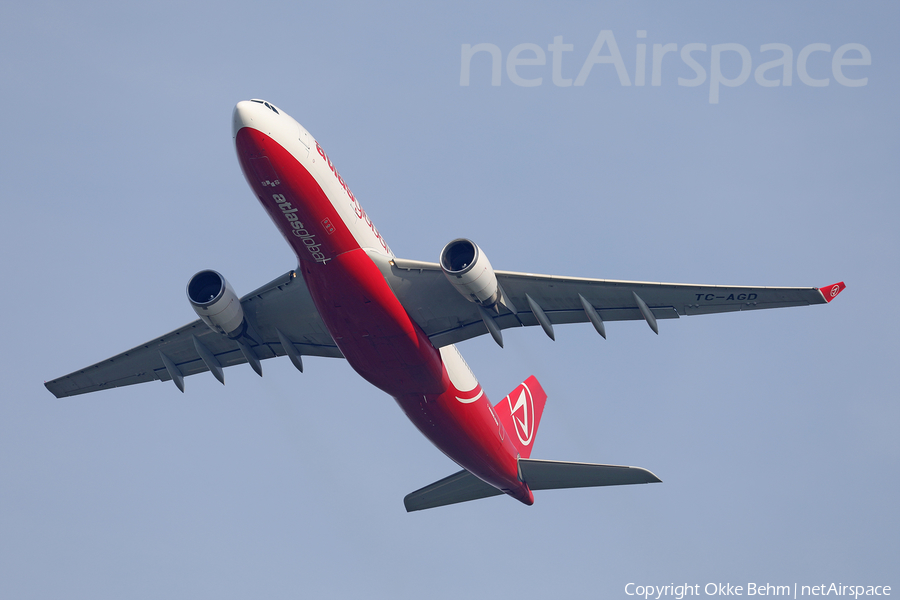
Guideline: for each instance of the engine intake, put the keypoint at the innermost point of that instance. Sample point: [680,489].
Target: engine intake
[214,301]
[469,270]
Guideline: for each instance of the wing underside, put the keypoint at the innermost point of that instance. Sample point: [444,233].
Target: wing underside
[283,305]
[283,311]
[447,317]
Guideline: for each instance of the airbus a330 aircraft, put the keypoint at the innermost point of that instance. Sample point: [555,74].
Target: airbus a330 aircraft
[396,321]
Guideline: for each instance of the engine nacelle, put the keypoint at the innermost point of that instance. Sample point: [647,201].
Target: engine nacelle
[215,302]
[470,272]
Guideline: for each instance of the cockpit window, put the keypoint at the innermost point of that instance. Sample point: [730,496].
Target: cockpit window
[269,106]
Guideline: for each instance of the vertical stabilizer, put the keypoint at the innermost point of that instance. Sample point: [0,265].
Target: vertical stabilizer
[520,414]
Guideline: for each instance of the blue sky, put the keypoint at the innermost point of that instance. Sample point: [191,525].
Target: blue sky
[774,432]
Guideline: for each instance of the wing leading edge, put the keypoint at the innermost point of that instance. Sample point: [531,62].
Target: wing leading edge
[282,306]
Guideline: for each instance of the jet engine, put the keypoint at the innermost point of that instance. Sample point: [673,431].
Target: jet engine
[470,272]
[214,301]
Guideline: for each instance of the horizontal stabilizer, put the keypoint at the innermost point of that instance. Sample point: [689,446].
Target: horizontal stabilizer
[459,487]
[553,475]
[538,474]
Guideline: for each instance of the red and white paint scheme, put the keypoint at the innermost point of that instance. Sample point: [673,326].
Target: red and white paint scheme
[337,247]
[396,321]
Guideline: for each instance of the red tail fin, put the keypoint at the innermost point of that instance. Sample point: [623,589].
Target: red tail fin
[520,414]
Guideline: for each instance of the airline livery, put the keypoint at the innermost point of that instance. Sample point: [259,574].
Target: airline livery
[396,321]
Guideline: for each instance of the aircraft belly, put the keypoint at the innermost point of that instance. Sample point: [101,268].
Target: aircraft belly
[371,327]
[366,320]
[384,345]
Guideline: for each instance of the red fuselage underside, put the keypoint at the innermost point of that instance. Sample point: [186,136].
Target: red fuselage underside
[368,323]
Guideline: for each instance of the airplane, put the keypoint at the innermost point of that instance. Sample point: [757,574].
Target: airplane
[396,321]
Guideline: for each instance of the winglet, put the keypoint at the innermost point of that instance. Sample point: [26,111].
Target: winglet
[830,292]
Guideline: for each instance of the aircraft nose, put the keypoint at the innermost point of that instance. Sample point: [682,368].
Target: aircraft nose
[242,116]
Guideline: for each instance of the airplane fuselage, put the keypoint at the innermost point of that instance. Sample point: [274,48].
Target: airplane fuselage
[339,251]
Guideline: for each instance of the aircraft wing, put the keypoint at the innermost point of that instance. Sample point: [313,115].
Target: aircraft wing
[284,305]
[281,305]
[447,317]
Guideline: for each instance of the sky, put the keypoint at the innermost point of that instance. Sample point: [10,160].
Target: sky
[774,432]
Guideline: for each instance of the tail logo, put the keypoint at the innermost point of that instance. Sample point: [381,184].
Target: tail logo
[523,415]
